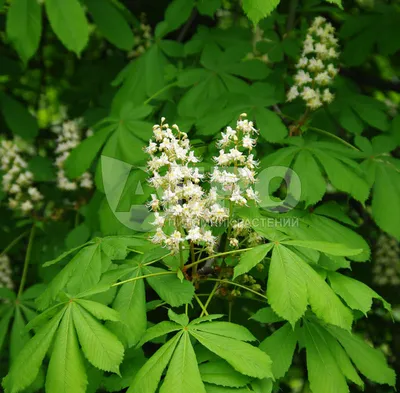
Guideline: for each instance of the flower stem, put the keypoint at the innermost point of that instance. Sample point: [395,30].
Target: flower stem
[13,243]
[201,305]
[237,285]
[209,299]
[27,260]
[221,254]
[157,93]
[141,277]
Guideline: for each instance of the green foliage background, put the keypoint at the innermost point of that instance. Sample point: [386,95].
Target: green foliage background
[200,67]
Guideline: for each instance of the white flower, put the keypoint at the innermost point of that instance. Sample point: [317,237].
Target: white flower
[248,142]
[323,78]
[35,194]
[315,65]
[234,242]
[253,195]
[26,206]
[69,137]
[194,234]
[302,77]
[319,47]
[327,96]
[15,189]
[302,63]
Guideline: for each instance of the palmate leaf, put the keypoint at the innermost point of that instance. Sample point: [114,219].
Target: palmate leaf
[293,284]
[183,373]
[219,372]
[24,27]
[14,317]
[371,362]
[66,372]
[111,23]
[337,162]
[130,302]
[243,357]
[251,258]
[60,13]
[84,270]
[68,323]
[329,350]
[99,345]
[356,294]
[259,9]
[324,373]
[384,174]
[148,377]
[280,346]
[317,227]
[286,289]
[26,366]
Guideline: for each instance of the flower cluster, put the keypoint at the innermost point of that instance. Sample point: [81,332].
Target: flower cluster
[69,136]
[5,273]
[234,174]
[17,181]
[143,38]
[184,210]
[316,68]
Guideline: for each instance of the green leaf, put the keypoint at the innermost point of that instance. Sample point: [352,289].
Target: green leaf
[324,302]
[148,377]
[226,329]
[111,23]
[243,357]
[280,346]
[343,177]
[169,287]
[313,185]
[161,329]
[355,293]
[258,9]
[386,199]
[262,385]
[66,372]
[251,258]
[286,289]
[130,302]
[87,269]
[177,13]
[42,169]
[181,319]
[266,315]
[24,27]
[4,322]
[324,373]
[223,389]
[18,118]
[19,336]
[68,21]
[270,125]
[100,311]
[326,247]
[99,345]
[84,154]
[371,362]
[26,366]
[183,373]
[221,373]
